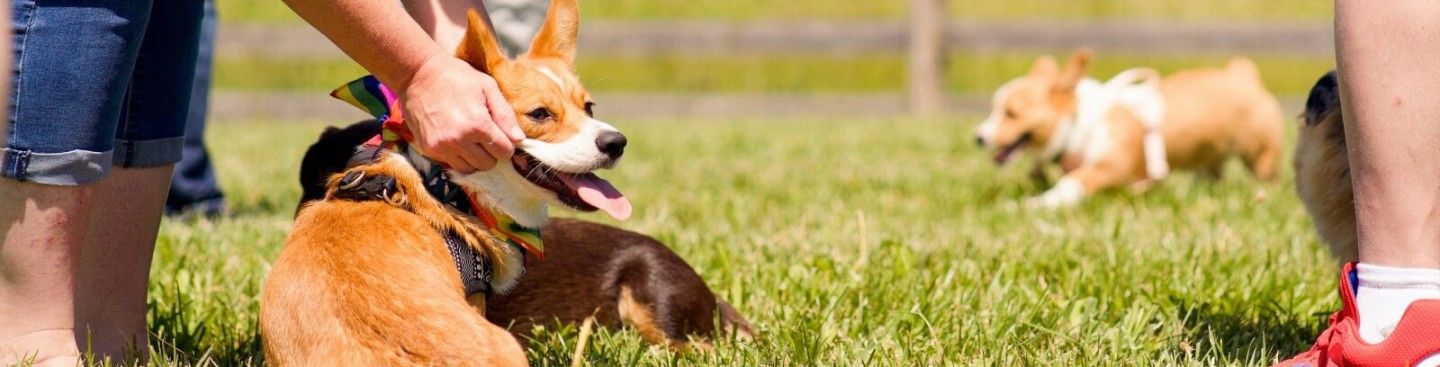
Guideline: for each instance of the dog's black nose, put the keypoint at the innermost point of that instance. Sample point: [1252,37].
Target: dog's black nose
[979,141]
[612,143]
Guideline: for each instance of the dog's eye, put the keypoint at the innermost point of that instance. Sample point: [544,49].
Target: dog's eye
[1009,113]
[540,114]
[590,109]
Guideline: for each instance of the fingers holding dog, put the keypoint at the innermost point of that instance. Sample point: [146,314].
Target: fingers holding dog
[452,107]
[493,144]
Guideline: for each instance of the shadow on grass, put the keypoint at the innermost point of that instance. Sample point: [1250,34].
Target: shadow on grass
[181,335]
[1261,333]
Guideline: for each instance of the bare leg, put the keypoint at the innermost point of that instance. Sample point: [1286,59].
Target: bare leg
[44,227]
[1387,58]
[114,267]
[41,228]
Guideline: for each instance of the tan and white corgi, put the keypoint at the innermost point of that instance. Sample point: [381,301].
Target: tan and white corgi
[1134,128]
[374,282]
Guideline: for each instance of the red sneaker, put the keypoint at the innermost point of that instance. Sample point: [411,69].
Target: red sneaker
[1415,339]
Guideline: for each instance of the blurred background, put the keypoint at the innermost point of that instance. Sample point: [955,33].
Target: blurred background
[761,58]
[808,156]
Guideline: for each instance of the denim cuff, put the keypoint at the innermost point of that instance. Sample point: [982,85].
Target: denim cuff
[72,168]
[80,167]
[148,153]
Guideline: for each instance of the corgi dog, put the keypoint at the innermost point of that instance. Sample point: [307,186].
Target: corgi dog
[1132,129]
[621,278]
[374,273]
[1322,169]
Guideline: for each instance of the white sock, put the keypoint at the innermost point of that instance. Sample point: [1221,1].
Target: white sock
[1384,294]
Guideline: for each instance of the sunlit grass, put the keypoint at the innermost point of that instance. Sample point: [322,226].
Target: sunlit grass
[850,243]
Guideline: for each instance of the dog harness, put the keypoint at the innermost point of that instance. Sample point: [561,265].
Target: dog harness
[373,97]
[1137,89]
[475,269]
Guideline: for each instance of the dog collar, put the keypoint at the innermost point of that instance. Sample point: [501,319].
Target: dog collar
[373,97]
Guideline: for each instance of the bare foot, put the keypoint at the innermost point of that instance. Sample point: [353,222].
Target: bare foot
[44,348]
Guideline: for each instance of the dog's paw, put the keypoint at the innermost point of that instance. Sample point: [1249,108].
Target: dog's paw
[1142,186]
[359,185]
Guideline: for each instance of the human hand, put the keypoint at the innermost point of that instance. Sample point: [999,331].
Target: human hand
[458,115]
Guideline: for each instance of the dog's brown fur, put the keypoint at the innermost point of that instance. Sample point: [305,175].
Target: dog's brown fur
[369,283]
[1211,114]
[622,278]
[1322,169]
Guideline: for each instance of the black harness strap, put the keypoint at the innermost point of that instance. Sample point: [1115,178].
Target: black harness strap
[474,269]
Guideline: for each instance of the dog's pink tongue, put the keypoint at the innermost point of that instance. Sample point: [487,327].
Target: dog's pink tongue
[600,193]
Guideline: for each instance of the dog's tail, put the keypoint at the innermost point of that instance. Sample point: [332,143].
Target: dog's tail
[1241,65]
[732,323]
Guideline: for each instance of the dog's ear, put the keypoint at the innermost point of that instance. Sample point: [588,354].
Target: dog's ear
[1072,72]
[480,48]
[557,37]
[1324,98]
[1045,66]
[331,154]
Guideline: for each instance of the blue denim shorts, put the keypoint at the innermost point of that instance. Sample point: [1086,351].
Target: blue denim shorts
[98,83]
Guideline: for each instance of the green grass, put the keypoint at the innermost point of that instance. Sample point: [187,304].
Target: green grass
[1215,10]
[850,243]
[733,74]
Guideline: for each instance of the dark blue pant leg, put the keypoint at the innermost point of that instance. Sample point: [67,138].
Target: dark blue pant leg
[194,184]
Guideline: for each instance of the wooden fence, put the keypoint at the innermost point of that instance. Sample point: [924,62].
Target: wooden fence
[926,59]
[925,38]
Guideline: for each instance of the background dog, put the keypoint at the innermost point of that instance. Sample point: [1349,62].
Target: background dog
[1208,116]
[1322,169]
[619,277]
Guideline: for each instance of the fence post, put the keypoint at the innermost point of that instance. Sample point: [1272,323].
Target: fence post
[927,58]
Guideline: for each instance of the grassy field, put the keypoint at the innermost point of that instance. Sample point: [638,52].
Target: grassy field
[975,73]
[849,243]
[1214,10]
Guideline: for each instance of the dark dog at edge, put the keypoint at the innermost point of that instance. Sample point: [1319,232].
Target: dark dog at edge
[1322,169]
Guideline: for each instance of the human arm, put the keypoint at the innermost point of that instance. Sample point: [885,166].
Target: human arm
[457,114]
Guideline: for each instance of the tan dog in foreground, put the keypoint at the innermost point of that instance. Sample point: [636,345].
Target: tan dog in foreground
[370,283]
[1097,132]
[1322,169]
[375,283]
